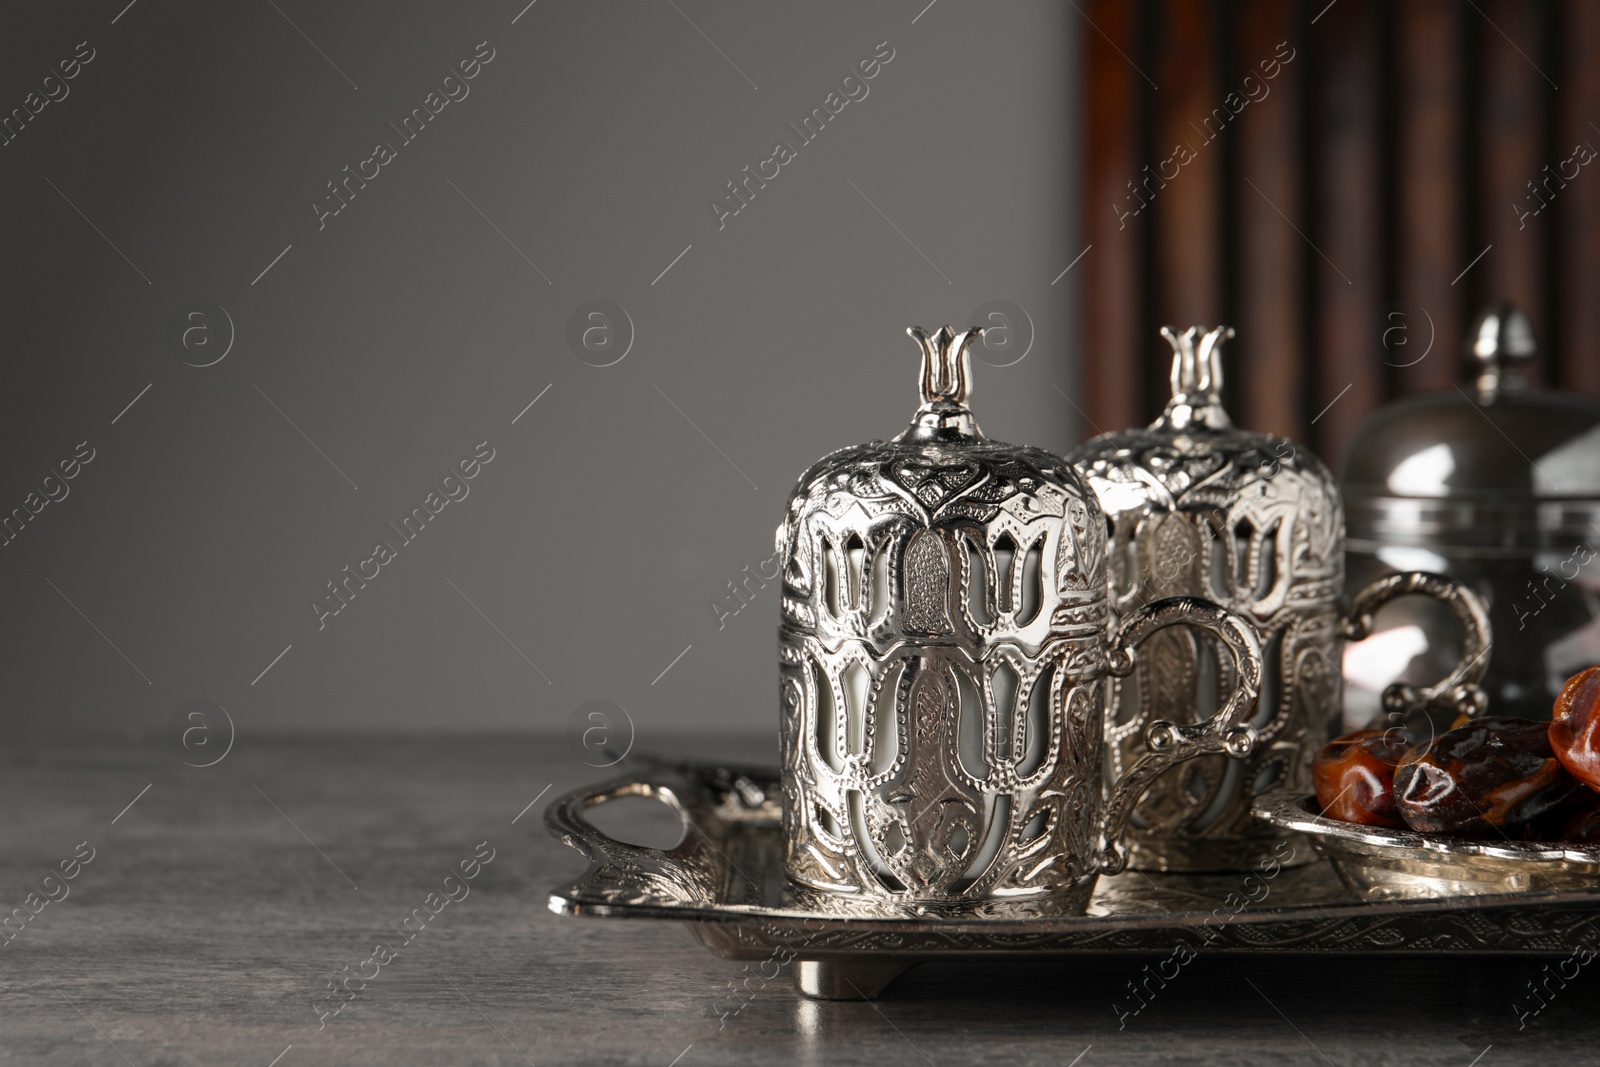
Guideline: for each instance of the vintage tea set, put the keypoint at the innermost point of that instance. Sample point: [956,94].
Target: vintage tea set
[1006,677]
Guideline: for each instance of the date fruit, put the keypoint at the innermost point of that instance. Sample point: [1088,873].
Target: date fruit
[1575,727]
[1354,777]
[1575,821]
[1488,775]
[1583,824]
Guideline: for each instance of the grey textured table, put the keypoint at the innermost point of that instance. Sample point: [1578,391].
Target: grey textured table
[218,907]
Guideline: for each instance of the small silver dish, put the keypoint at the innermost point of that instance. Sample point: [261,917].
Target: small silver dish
[1376,863]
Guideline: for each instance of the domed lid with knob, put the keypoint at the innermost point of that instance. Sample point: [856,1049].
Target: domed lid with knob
[1497,466]
[856,567]
[1266,493]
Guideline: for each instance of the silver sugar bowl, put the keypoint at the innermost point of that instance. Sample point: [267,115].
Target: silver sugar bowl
[944,648]
[1198,507]
[1497,485]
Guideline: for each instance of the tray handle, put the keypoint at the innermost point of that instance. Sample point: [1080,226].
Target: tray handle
[623,873]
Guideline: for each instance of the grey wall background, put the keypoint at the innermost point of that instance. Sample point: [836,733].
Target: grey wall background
[414,326]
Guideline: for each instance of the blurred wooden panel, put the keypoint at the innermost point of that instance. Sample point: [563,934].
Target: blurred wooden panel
[1512,132]
[1268,357]
[1578,331]
[1347,369]
[1113,220]
[1430,252]
[1398,145]
[1190,123]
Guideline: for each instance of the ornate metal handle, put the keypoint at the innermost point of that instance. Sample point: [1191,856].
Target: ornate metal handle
[625,872]
[708,798]
[1459,690]
[1228,731]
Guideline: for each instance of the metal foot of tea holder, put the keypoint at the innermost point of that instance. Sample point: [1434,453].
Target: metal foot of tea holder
[847,980]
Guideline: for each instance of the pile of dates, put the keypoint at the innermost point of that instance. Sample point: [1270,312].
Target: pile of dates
[1517,778]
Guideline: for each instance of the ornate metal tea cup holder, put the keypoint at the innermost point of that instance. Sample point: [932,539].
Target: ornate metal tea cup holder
[1376,892]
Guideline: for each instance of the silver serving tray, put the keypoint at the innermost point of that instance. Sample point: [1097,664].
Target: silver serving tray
[725,880]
